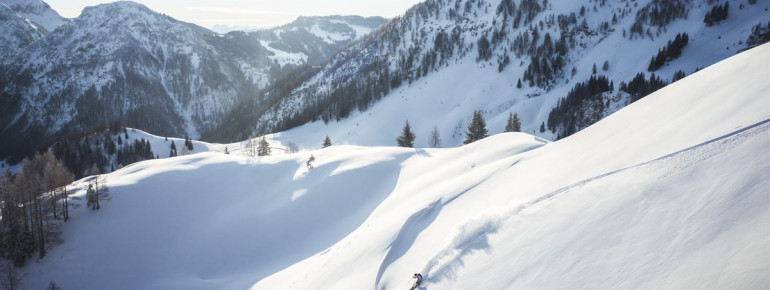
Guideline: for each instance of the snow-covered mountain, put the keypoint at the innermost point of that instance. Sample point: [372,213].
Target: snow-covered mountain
[119,61]
[314,39]
[39,13]
[23,22]
[19,33]
[123,61]
[444,59]
[668,192]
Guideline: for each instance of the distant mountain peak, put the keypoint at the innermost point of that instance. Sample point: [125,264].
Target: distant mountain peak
[38,12]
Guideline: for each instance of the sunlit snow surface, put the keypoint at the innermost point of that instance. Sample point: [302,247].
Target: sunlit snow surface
[670,192]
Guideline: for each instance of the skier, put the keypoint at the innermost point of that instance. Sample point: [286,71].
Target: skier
[417,276]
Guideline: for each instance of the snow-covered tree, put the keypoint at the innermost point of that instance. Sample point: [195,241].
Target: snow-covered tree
[477,128]
[407,136]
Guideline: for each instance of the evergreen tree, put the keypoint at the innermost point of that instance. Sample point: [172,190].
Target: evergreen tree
[264,147]
[173,149]
[407,136]
[327,142]
[477,128]
[435,138]
[518,84]
[542,127]
[513,124]
[188,142]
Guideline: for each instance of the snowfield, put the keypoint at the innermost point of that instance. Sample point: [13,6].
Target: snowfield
[670,192]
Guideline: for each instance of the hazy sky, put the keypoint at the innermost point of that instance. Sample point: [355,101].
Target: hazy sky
[261,13]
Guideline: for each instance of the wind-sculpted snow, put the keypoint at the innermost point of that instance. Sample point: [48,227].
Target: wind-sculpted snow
[407,235]
[669,192]
[468,238]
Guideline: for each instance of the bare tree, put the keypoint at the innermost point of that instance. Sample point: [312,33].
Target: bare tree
[11,279]
[97,189]
[435,138]
[292,147]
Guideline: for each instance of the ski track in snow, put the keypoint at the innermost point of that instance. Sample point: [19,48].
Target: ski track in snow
[472,236]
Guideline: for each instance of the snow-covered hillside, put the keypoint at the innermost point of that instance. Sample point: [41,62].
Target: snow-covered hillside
[427,67]
[312,40]
[122,61]
[18,33]
[39,13]
[23,22]
[669,192]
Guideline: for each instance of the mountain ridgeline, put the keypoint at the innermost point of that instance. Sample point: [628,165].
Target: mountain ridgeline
[541,47]
[125,62]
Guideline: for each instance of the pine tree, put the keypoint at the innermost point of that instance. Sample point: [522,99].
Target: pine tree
[518,84]
[542,127]
[435,138]
[407,136]
[264,147]
[173,150]
[188,142]
[477,128]
[513,124]
[327,142]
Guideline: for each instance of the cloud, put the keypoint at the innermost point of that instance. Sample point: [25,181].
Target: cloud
[237,11]
[230,20]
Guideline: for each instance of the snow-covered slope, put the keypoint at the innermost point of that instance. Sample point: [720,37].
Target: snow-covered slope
[118,61]
[17,33]
[23,22]
[124,62]
[669,192]
[427,67]
[39,13]
[312,40]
